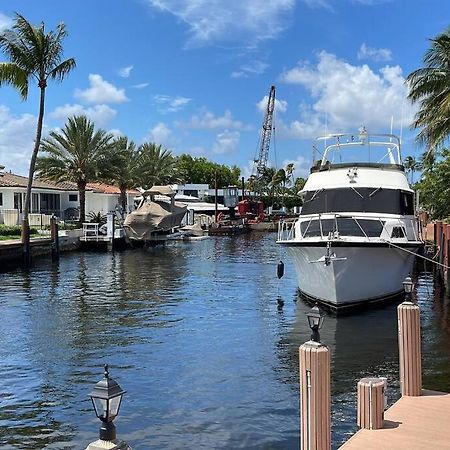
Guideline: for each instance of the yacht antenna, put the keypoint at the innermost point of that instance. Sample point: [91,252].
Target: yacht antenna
[401,122]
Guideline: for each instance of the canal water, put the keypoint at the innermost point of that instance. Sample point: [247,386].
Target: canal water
[192,331]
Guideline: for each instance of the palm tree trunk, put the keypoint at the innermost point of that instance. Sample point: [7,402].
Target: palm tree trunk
[82,194]
[37,144]
[123,199]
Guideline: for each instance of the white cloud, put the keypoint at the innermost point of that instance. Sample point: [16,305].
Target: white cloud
[249,21]
[170,104]
[124,72]
[161,134]
[17,135]
[116,132]
[139,86]
[348,96]
[99,114]
[101,91]
[280,105]
[5,22]
[226,142]
[252,68]
[208,121]
[374,54]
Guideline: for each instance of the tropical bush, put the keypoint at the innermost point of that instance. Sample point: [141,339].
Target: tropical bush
[97,218]
[14,230]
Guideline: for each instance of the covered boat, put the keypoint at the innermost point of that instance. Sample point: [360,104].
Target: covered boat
[356,238]
[155,217]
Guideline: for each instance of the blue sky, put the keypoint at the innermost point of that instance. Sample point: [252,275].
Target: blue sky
[192,74]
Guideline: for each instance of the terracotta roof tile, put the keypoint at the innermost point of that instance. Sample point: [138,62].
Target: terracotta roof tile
[109,189]
[8,179]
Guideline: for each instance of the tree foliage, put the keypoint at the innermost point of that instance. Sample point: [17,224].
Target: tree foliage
[123,168]
[34,54]
[78,153]
[430,87]
[434,187]
[199,170]
[156,166]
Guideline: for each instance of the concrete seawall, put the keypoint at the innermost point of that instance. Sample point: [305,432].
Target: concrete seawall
[11,251]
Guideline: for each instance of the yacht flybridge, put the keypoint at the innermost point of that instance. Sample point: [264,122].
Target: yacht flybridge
[356,238]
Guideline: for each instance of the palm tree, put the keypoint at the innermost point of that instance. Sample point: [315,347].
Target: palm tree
[78,153]
[430,86]
[289,172]
[158,166]
[34,55]
[411,165]
[124,168]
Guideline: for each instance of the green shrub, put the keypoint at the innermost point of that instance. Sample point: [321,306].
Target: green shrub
[14,230]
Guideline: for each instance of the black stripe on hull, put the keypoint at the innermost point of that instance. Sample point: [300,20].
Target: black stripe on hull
[346,306]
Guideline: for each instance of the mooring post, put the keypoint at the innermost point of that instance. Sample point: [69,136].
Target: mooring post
[110,230]
[371,394]
[25,237]
[54,234]
[315,396]
[409,344]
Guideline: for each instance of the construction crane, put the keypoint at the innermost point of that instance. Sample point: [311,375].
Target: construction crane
[266,134]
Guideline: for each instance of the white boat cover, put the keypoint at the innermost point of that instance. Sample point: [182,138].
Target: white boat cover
[151,217]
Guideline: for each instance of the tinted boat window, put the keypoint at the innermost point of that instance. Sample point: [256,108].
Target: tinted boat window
[389,201]
[345,226]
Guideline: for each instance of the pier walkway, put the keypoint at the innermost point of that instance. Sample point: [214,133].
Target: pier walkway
[412,423]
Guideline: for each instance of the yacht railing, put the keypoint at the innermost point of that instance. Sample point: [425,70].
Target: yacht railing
[364,140]
[287,229]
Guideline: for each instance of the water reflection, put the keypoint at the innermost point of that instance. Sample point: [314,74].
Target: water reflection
[194,334]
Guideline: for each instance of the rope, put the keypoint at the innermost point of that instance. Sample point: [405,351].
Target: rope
[419,256]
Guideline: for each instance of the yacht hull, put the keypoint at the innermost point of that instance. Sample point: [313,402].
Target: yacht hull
[357,273]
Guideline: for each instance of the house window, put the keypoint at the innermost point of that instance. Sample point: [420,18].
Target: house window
[50,203]
[73,197]
[1,199]
[18,201]
[34,203]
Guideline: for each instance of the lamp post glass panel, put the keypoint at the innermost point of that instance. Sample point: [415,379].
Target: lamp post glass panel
[106,398]
[408,287]
[315,320]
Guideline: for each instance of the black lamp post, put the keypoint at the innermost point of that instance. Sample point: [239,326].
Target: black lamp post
[408,287]
[315,320]
[106,398]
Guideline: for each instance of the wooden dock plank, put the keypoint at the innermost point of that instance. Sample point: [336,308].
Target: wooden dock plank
[413,423]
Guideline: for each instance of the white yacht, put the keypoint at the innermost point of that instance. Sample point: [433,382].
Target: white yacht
[356,238]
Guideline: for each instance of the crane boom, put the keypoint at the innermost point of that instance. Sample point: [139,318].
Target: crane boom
[266,134]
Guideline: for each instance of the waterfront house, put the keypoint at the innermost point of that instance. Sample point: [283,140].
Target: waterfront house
[48,198]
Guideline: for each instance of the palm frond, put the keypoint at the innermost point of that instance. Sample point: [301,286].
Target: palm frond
[13,75]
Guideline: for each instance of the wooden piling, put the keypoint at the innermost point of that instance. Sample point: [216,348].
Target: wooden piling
[315,397]
[54,234]
[25,237]
[409,349]
[371,403]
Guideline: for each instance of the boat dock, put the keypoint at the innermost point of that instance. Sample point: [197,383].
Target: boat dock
[410,423]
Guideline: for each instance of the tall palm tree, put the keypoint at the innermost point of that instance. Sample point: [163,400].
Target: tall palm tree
[158,166]
[124,168]
[34,55]
[430,87]
[78,153]
[411,165]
